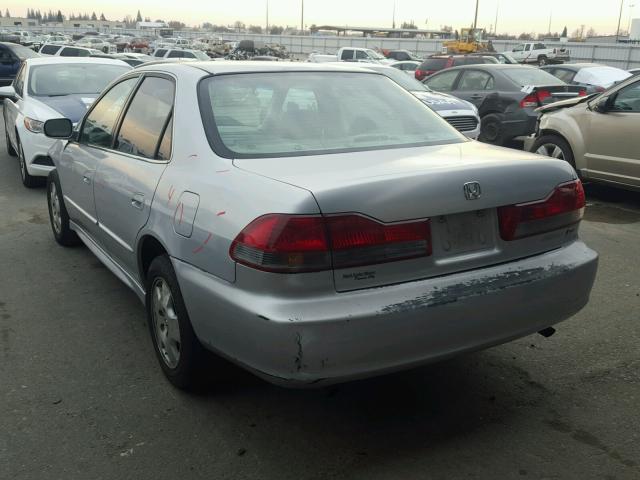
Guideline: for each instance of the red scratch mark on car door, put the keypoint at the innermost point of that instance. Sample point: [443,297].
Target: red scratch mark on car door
[170,194]
[201,247]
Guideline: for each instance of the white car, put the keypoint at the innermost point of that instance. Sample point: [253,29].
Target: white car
[47,88]
[407,66]
[97,44]
[68,51]
[180,53]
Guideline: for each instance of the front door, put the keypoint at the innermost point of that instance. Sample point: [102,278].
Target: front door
[474,86]
[613,146]
[78,163]
[127,177]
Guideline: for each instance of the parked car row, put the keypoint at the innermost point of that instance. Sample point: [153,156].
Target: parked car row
[323,209]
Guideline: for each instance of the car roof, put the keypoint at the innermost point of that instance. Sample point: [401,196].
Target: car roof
[489,66]
[578,66]
[55,60]
[231,66]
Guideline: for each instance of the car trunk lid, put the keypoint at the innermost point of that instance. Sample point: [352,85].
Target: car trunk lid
[401,185]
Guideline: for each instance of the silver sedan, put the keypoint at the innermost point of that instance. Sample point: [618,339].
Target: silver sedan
[312,223]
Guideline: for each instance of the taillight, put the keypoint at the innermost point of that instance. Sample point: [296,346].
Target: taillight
[296,243]
[600,89]
[582,93]
[535,99]
[564,207]
[420,74]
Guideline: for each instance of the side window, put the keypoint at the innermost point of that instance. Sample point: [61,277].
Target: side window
[188,55]
[146,118]
[519,48]
[18,84]
[160,53]
[475,80]
[175,54]
[442,82]
[5,56]
[347,54]
[70,52]
[527,47]
[361,55]
[539,46]
[628,99]
[49,49]
[98,127]
[563,74]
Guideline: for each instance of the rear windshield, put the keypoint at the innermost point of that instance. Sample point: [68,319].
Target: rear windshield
[526,76]
[68,79]
[401,78]
[298,113]
[434,64]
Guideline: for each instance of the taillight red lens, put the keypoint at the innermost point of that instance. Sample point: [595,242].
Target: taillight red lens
[535,99]
[564,207]
[582,93]
[357,240]
[296,243]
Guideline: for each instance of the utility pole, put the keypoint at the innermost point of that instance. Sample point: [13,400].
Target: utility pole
[393,23]
[302,18]
[619,20]
[475,20]
[267,31]
[550,17]
[631,6]
[495,25]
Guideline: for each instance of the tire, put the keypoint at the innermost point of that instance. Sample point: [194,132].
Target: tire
[491,129]
[10,150]
[28,180]
[554,146]
[542,60]
[58,216]
[181,355]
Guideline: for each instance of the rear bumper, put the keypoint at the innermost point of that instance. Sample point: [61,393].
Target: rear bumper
[519,126]
[338,337]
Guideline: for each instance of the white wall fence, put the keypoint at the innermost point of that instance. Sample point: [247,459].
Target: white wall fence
[617,55]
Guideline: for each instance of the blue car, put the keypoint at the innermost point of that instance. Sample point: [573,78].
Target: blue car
[11,57]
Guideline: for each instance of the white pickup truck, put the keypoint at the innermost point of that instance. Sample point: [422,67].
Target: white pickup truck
[351,54]
[538,53]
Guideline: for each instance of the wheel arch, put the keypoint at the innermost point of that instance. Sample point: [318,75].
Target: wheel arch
[149,247]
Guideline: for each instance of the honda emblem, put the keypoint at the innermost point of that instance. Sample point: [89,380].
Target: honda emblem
[472,190]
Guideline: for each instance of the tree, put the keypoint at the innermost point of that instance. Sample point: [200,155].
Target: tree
[103,18]
[255,29]
[59,17]
[94,17]
[409,25]
[592,32]
[0,13]
[139,17]
[276,30]
[7,14]
[564,33]
[176,25]
[238,25]
[207,26]
[525,36]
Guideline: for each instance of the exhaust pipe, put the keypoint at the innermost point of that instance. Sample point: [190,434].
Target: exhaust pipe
[547,332]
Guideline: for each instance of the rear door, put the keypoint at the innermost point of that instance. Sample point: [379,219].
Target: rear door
[127,176]
[9,65]
[13,109]
[80,159]
[444,81]
[474,86]
[613,148]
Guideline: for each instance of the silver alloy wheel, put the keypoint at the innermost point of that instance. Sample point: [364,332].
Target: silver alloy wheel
[551,150]
[54,203]
[165,323]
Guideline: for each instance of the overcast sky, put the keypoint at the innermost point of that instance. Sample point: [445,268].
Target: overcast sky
[515,16]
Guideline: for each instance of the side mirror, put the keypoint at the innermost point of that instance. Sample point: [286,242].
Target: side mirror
[58,128]
[603,105]
[8,92]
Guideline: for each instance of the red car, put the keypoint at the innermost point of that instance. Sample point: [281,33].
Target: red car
[435,63]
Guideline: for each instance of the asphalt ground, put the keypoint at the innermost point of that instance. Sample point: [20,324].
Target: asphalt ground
[82,395]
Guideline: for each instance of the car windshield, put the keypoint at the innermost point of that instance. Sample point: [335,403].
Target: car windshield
[69,79]
[402,79]
[297,113]
[23,52]
[201,55]
[527,76]
[376,55]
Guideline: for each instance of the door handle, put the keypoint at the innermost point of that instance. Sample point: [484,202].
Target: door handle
[476,97]
[137,201]
[86,179]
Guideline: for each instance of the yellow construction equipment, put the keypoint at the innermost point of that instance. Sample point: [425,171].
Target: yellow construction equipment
[470,40]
